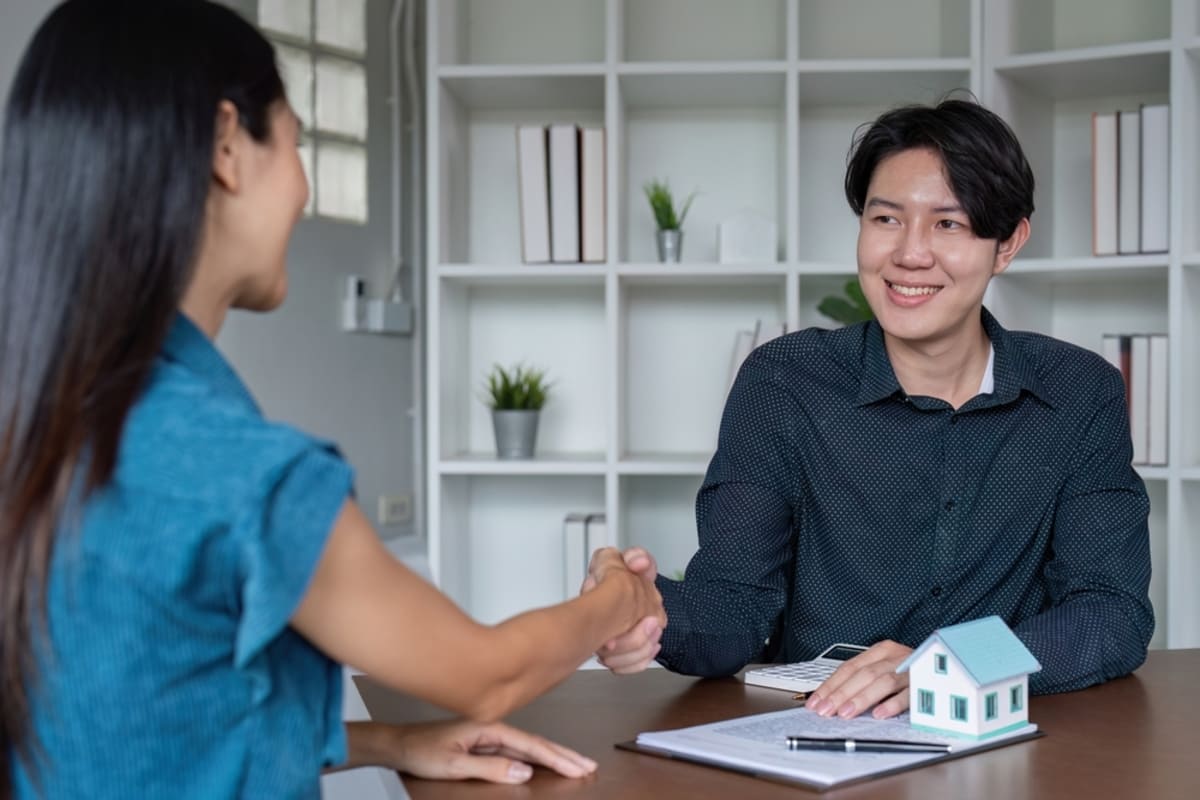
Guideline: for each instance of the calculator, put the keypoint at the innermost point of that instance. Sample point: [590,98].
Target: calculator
[803,676]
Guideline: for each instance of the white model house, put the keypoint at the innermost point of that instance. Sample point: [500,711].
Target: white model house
[970,679]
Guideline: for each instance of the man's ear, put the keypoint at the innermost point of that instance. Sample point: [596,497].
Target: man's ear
[1007,250]
[226,147]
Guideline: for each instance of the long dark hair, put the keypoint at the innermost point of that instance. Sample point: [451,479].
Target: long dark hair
[985,165]
[104,174]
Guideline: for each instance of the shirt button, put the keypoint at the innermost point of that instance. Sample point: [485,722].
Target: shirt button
[936,591]
[949,505]
[954,420]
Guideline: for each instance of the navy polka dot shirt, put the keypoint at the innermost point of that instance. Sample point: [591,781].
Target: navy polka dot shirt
[839,509]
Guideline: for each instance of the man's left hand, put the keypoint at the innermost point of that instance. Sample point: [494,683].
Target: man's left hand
[868,679]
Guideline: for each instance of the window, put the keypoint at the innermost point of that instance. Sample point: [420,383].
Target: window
[939,663]
[1016,698]
[958,708]
[322,51]
[990,704]
[924,701]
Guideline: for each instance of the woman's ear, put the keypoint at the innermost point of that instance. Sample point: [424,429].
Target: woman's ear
[226,147]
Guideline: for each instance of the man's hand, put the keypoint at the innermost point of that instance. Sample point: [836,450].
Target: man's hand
[460,750]
[868,679]
[632,651]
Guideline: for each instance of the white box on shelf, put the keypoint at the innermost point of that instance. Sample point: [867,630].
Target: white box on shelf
[564,194]
[592,195]
[1155,178]
[575,553]
[1156,451]
[1139,397]
[1104,183]
[533,183]
[746,238]
[1129,181]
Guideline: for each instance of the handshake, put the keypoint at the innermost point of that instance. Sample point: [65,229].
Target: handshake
[633,650]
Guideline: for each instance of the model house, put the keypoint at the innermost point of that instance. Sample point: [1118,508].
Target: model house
[970,679]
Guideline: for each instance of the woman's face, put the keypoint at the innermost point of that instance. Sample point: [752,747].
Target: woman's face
[275,193]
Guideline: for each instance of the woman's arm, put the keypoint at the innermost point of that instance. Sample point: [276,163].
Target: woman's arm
[365,608]
[458,750]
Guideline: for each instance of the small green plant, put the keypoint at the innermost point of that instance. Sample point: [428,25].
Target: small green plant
[662,203]
[516,388]
[849,309]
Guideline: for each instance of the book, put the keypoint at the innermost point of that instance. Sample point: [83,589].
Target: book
[1157,445]
[564,193]
[592,195]
[1139,397]
[532,189]
[595,533]
[575,553]
[1155,180]
[743,344]
[1129,181]
[757,745]
[766,331]
[1104,183]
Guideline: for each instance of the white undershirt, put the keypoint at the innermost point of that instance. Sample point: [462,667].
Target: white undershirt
[988,384]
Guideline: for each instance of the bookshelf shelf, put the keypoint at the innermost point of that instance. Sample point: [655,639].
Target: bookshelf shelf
[754,105]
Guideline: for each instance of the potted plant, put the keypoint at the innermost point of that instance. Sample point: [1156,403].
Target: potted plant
[516,396]
[849,309]
[668,219]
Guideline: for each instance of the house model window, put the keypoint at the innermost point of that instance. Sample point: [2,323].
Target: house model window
[958,674]
[321,46]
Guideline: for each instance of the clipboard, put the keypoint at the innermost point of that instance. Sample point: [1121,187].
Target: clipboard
[936,758]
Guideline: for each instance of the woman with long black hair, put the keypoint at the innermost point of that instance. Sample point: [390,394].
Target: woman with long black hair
[179,577]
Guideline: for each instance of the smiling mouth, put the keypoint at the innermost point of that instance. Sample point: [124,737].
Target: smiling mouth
[912,291]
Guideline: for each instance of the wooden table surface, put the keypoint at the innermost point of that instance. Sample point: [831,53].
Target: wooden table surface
[1137,737]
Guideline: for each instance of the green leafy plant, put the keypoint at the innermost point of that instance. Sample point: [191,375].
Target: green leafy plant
[516,388]
[849,309]
[662,203]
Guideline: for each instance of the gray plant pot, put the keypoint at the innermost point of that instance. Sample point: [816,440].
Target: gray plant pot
[516,433]
[670,245]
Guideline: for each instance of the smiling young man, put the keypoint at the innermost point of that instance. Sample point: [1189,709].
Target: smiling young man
[876,482]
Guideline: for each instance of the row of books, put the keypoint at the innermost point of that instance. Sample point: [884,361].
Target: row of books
[746,340]
[561,193]
[1130,180]
[1142,359]
[583,534]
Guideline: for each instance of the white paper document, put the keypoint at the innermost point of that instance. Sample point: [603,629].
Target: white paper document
[758,745]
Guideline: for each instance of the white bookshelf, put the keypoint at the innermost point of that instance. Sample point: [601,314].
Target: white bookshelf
[754,104]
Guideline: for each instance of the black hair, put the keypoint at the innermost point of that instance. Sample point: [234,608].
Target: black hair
[984,163]
[105,171]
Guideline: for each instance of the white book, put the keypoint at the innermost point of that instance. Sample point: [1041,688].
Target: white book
[533,190]
[595,533]
[1157,449]
[1104,183]
[1155,181]
[743,344]
[575,553]
[592,195]
[564,193]
[1139,397]
[1129,181]
[769,330]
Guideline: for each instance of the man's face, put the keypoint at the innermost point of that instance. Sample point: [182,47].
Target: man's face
[922,268]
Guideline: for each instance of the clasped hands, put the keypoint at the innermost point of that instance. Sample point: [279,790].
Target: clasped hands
[865,681]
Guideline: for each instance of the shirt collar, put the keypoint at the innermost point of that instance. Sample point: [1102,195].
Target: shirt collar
[190,348]
[1012,372]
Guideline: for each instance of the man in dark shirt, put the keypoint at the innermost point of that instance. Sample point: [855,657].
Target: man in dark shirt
[876,482]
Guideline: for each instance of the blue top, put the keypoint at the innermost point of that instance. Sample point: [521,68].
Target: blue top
[987,649]
[174,673]
[839,509]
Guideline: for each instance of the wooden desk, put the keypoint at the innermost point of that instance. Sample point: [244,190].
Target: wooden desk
[1138,737]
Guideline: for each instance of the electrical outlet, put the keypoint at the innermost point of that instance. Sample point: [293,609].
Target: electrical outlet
[395,509]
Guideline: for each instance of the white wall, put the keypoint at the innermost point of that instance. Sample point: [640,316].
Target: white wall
[353,389]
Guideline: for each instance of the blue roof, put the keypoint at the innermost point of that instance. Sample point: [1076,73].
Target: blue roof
[987,648]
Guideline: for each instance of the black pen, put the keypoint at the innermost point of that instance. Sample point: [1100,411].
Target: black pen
[864,745]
